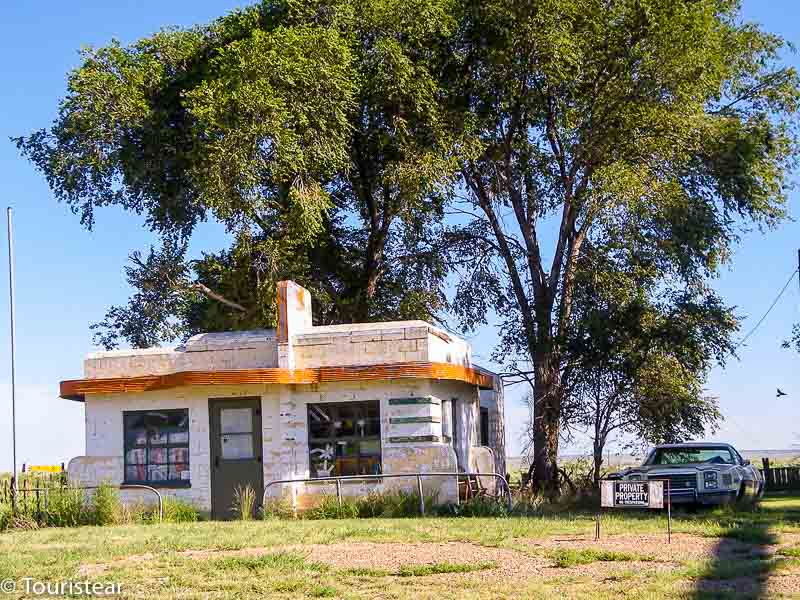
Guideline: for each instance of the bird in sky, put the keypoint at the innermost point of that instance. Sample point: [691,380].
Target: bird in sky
[780,393]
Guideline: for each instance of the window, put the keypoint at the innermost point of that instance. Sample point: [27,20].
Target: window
[344,438]
[484,426]
[236,429]
[447,421]
[157,447]
[691,455]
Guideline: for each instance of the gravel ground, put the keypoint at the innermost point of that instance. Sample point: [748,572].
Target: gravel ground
[531,561]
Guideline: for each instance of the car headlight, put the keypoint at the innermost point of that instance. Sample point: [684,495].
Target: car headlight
[710,479]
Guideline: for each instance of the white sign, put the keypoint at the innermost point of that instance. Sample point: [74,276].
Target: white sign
[632,494]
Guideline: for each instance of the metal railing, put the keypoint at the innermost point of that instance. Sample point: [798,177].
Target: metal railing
[130,486]
[339,479]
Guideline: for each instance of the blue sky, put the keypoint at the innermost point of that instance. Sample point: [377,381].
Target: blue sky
[67,277]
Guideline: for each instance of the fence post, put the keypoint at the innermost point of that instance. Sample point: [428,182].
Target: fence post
[13,491]
[339,493]
[421,496]
[765,464]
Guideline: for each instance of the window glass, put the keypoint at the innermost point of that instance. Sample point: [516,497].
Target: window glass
[236,420]
[157,446]
[447,423]
[237,446]
[691,455]
[484,426]
[344,438]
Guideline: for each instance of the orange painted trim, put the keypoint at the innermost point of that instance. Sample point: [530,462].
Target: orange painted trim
[77,389]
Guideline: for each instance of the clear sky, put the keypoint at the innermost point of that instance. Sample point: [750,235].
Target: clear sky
[67,277]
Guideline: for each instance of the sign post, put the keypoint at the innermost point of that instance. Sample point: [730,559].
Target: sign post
[13,362]
[636,494]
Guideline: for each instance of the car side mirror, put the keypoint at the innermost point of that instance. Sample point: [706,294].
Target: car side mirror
[746,463]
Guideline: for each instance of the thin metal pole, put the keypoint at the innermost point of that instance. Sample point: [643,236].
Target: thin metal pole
[13,352]
[669,512]
[339,493]
[421,496]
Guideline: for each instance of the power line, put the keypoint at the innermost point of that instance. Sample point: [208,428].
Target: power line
[769,310]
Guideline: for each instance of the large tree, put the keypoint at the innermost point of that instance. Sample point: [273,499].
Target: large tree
[325,135]
[310,130]
[666,124]
[637,354]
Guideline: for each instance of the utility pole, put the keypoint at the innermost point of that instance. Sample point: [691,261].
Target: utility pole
[13,362]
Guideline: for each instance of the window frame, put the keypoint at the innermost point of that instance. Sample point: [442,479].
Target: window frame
[483,426]
[167,483]
[333,439]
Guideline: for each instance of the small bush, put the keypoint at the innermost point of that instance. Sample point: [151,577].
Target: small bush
[328,508]
[277,509]
[179,511]
[65,507]
[479,506]
[244,502]
[106,506]
[394,505]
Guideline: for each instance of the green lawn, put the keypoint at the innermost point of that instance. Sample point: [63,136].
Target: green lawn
[756,553]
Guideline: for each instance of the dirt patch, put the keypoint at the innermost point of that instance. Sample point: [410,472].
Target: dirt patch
[391,557]
[530,560]
[93,569]
[388,557]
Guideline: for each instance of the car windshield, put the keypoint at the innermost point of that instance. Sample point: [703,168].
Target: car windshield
[685,456]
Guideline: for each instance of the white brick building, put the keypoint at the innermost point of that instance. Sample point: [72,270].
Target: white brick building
[229,409]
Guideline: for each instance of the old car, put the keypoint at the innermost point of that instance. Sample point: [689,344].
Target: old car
[700,473]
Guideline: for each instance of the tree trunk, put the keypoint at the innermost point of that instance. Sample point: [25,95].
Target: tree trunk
[546,416]
[372,274]
[598,461]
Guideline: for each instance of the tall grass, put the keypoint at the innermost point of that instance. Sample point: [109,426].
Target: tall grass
[65,507]
[70,506]
[393,505]
[106,505]
[244,503]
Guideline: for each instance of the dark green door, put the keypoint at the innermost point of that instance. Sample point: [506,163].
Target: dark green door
[236,460]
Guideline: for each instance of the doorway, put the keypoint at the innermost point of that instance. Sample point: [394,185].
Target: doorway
[236,452]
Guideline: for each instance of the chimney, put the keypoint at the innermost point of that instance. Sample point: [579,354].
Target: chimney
[294,316]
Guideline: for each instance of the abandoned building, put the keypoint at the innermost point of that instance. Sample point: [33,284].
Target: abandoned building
[300,401]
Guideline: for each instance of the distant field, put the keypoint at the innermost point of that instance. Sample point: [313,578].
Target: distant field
[713,555]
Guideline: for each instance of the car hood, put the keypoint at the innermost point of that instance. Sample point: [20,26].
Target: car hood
[676,468]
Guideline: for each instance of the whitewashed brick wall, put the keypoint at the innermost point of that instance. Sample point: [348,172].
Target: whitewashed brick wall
[284,431]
